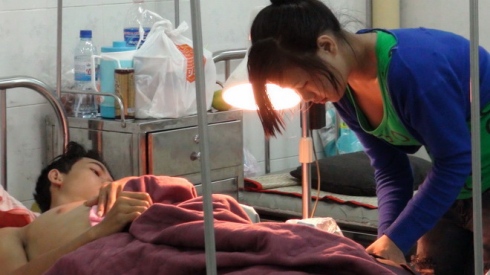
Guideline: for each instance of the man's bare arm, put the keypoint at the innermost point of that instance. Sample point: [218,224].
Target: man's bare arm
[41,264]
[129,206]
[12,253]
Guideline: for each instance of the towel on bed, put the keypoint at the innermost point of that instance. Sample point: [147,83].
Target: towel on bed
[169,239]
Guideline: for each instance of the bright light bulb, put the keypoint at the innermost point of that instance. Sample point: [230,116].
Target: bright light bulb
[241,96]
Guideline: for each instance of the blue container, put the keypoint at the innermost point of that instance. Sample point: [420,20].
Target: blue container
[111,58]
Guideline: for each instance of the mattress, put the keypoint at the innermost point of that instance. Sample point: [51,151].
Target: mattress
[279,194]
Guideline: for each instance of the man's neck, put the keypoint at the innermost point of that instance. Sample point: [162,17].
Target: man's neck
[58,201]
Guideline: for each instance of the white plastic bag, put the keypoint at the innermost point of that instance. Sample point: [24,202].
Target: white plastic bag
[164,74]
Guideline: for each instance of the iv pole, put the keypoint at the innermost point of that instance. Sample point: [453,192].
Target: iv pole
[209,239]
[475,138]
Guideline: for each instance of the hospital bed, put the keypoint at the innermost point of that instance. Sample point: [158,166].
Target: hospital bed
[277,196]
[346,193]
[168,239]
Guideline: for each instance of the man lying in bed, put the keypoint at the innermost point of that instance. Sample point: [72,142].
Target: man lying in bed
[65,191]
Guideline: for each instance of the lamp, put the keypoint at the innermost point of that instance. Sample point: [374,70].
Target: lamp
[237,91]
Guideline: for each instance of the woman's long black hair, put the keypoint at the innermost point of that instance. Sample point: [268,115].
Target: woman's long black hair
[284,34]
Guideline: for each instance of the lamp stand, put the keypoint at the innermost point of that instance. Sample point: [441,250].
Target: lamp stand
[305,158]
[312,117]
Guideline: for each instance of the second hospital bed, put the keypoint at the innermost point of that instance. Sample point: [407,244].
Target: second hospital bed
[347,193]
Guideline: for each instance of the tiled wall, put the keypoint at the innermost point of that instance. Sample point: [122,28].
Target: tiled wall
[28,31]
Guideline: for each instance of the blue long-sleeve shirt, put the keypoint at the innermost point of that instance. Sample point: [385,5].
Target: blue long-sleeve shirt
[429,86]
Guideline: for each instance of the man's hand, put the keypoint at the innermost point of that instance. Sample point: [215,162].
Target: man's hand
[384,247]
[128,206]
[107,196]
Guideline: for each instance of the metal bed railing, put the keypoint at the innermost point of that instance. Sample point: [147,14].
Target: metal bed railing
[227,56]
[47,93]
[117,99]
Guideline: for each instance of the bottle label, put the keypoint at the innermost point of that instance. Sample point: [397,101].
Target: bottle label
[83,68]
[132,36]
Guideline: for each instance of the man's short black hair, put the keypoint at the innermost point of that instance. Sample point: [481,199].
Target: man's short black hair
[63,163]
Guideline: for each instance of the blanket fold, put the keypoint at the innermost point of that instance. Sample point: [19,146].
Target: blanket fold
[169,239]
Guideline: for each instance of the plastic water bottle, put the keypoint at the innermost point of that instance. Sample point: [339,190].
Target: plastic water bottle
[85,105]
[347,142]
[137,20]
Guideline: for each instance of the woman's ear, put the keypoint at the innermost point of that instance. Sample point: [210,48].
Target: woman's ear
[327,44]
[55,177]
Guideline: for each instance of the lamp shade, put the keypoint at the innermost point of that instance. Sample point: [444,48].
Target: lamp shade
[238,92]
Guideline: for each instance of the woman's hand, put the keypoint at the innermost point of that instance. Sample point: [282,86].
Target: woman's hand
[108,194]
[384,247]
[127,207]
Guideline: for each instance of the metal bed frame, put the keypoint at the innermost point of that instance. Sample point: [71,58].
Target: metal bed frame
[42,89]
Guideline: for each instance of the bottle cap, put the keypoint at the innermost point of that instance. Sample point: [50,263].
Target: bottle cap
[85,34]
[117,46]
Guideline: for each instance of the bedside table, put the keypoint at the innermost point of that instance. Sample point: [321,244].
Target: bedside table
[167,147]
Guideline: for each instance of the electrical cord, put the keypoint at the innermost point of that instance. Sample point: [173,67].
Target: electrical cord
[313,210]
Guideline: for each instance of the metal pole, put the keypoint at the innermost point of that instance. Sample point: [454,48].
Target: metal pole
[210,247]
[177,12]
[475,139]
[59,32]
[267,150]
[3,129]
[369,13]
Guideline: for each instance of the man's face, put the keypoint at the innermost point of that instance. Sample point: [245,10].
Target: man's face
[85,179]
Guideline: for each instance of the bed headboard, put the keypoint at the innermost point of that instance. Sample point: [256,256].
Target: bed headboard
[46,92]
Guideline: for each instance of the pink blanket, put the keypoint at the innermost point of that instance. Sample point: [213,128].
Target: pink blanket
[169,239]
